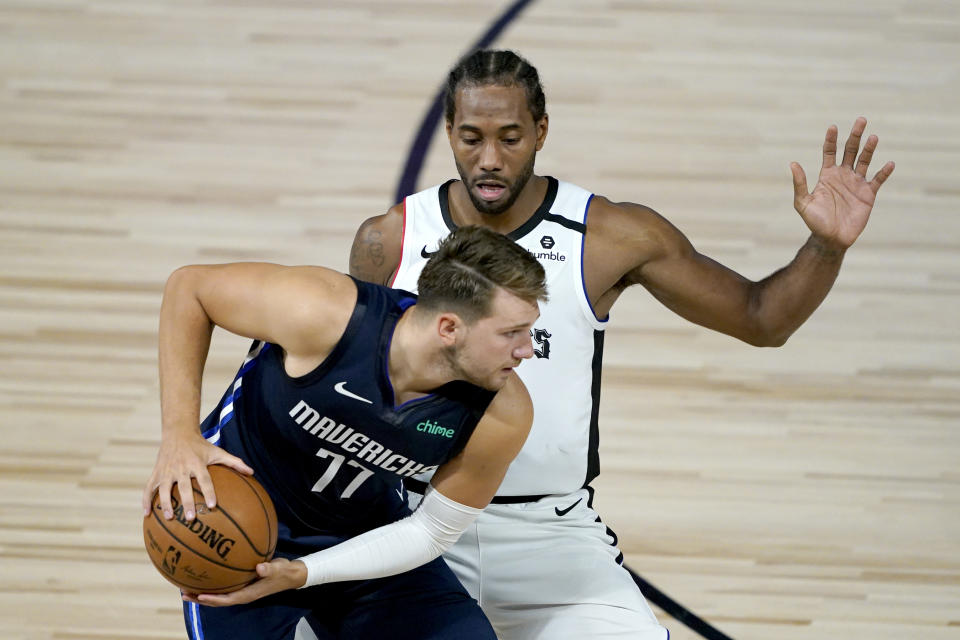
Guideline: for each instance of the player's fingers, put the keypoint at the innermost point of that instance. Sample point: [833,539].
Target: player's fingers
[185,490]
[215,600]
[830,147]
[882,176]
[866,155]
[164,489]
[205,482]
[247,594]
[800,192]
[146,498]
[232,461]
[853,142]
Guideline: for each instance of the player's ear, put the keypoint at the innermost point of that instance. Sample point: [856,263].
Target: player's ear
[542,126]
[449,328]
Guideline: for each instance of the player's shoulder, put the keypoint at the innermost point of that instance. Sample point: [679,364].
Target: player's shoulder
[625,222]
[604,211]
[512,404]
[389,223]
[316,304]
[506,422]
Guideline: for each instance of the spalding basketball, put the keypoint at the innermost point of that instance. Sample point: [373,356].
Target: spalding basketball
[218,551]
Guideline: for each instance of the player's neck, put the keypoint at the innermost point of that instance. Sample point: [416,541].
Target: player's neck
[415,363]
[464,213]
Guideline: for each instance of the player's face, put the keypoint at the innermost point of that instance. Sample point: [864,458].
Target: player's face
[495,143]
[493,346]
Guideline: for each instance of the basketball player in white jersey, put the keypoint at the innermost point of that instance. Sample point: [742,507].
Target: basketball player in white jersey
[539,560]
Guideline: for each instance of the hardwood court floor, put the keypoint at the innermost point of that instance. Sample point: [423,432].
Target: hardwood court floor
[804,492]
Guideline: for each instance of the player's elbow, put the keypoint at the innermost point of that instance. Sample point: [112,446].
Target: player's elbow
[183,278]
[769,340]
[763,324]
[176,280]
[765,336]
[184,286]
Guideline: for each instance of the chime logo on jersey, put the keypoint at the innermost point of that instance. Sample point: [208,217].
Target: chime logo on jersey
[435,429]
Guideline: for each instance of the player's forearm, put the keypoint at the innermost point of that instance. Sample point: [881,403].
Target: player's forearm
[184,341]
[783,301]
[394,548]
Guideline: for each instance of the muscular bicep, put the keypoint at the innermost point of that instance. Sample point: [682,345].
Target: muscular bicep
[376,249]
[630,244]
[473,477]
[697,287]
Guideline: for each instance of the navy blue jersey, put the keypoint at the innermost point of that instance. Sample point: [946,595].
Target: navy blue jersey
[332,446]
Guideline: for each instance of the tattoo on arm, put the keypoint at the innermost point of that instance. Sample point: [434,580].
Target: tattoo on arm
[825,252]
[367,256]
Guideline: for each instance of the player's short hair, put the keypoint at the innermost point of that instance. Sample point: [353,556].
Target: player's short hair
[502,68]
[468,267]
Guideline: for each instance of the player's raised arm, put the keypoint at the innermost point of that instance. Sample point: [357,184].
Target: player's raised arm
[640,247]
[292,306]
[375,254]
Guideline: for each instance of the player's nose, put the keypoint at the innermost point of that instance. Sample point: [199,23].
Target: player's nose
[490,159]
[524,350]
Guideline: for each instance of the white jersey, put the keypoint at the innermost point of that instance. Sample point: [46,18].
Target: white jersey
[563,378]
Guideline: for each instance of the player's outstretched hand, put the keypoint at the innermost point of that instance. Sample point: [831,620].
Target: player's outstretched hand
[277,575]
[837,209]
[179,460]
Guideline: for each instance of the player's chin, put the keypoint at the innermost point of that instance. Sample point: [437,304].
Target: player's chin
[491,207]
[500,378]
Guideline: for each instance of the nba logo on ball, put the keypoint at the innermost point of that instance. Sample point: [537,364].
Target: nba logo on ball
[170,560]
[219,552]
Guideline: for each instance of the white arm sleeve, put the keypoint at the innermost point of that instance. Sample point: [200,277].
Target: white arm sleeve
[394,548]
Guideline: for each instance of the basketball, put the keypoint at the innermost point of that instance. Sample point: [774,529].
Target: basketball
[218,551]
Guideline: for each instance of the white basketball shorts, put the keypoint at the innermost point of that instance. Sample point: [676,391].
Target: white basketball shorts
[548,570]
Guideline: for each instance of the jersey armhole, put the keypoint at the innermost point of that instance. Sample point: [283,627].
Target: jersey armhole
[403,247]
[586,306]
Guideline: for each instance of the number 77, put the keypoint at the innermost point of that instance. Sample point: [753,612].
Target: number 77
[335,464]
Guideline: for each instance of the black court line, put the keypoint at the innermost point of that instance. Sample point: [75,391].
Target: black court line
[676,610]
[408,184]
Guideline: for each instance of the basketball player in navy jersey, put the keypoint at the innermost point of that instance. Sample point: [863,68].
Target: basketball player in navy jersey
[539,560]
[350,389]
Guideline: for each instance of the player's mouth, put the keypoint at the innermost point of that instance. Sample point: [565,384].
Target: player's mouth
[490,191]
